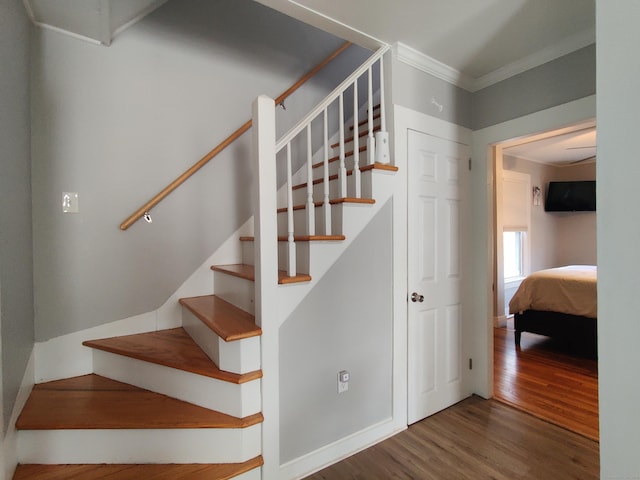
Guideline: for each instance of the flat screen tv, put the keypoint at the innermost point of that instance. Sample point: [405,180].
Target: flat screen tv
[577,196]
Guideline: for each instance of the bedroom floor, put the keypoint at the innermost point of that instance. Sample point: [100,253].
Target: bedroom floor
[546,381]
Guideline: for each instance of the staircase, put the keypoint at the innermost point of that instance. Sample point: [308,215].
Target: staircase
[187,402]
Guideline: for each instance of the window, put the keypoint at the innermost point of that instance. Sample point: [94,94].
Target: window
[513,250]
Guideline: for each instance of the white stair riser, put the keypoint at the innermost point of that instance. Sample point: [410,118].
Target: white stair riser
[300,222]
[235,290]
[302,256]
[237,356]
[300,195]
[193,445]
[238,400]
[248,253]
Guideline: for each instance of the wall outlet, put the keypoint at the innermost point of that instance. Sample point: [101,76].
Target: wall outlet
[343,381]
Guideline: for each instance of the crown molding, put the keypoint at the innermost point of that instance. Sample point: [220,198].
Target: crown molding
[557,50]
[429,65]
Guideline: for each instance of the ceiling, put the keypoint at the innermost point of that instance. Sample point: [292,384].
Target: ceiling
[477,38]
[479,42]
[558,148]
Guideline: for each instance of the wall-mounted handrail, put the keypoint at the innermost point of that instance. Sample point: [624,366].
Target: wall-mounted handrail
[138,214]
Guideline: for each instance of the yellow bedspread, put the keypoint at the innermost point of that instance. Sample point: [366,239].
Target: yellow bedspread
[571,289]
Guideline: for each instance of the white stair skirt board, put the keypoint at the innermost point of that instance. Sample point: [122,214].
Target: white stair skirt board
[235,290]
[238,400]
[238,356]
[356,216]
[180,445]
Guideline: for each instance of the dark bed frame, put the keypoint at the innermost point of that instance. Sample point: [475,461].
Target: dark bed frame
[579,333]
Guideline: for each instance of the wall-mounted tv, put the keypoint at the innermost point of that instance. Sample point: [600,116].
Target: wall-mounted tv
[579,196]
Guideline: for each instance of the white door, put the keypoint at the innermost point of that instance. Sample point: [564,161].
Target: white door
[437,170]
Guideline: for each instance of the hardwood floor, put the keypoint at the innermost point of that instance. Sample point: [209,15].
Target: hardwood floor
[475,439]
[544,380]
[479,439]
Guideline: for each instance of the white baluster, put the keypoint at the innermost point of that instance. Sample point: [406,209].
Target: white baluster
[383,120]
[291,245]
[370,140]
[326,206]
[356,143]
[311,211]
[342,170]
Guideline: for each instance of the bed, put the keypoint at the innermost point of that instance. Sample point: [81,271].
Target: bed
[559,303]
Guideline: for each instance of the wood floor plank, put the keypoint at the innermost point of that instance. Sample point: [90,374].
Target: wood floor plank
[88,402]
[172,348]
[475,439]
[543,379]
[136,472]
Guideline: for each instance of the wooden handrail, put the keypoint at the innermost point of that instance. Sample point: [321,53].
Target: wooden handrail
[138,214]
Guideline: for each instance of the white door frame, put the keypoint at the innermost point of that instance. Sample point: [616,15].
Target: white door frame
[578,112]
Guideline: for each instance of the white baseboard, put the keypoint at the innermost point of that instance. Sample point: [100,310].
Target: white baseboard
[339,450]
[500,321]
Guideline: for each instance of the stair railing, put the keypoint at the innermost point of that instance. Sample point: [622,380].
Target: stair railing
[285,143]
[143,211]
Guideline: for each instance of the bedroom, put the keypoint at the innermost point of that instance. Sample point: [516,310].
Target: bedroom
[529,239]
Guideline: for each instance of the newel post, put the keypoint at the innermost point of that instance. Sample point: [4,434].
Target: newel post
[266,273]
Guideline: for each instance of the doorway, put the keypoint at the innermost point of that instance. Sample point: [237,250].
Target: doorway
[541,377]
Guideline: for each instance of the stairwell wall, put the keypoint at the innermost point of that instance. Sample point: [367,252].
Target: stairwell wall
[345,323]
[117,124]
[16,262]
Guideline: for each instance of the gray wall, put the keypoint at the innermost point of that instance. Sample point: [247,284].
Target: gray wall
[117,124]
[345,323]
[560,81]
[415,89]
[558,238]
[618,104]
[16,264]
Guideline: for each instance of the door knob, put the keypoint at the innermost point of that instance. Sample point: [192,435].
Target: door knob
[416,297]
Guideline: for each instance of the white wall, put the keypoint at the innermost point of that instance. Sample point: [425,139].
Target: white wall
[558,238]
[618,171]
[118,124]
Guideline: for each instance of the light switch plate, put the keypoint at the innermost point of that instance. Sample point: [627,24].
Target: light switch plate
[70,202]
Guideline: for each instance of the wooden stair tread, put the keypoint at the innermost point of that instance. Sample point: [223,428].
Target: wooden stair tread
[332,202]
[302,238]
[366,168]
[172,348]
[364,133]
[335,158]
[193,471]
[226,320]
[95,402]
[365,121]
[248,273]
